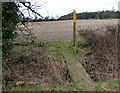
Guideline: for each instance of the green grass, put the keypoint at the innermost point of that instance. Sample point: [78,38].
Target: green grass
[39,44]
[58,55]
[68,47]
[58,48]
[48,44]
[80,46]
[108,85]
[82,42]
[26,89]
[56,87]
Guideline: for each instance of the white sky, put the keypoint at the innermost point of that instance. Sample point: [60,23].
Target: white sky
[63,7]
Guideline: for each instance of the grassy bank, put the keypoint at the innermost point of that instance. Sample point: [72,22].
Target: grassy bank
[43,67]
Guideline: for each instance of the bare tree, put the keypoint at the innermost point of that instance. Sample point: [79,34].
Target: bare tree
[24,30]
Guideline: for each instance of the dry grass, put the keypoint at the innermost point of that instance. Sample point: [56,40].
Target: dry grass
[102,60]
[63,30]
[32,65]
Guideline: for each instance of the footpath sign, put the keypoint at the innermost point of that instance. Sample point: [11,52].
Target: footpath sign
[74,27]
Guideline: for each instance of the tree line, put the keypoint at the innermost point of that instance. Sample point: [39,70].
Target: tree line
[108,14]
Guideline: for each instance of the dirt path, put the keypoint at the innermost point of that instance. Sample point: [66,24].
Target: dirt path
[77,71]
[62,30]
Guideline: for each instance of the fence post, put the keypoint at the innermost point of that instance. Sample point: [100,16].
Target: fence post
[74,28]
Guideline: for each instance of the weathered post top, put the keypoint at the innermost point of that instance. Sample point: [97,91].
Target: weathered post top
[74,15]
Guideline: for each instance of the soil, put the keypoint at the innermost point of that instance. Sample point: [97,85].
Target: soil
[63,30]
[32,65]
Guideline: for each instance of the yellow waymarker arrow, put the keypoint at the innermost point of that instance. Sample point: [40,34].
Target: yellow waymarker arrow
[74,27]
[74,15]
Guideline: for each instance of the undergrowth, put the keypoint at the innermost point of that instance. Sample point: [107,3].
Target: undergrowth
[101,59]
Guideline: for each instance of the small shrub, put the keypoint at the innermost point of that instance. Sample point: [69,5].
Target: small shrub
[8,26]
[103,45]
[82,43]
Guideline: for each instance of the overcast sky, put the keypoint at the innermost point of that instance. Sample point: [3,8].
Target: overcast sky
[63,7]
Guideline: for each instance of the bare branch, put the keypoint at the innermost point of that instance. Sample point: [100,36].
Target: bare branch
[23,28]
[31,9]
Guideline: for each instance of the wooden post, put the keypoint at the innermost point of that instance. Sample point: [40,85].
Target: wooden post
[74,28]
